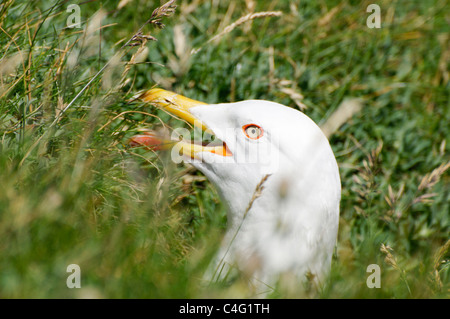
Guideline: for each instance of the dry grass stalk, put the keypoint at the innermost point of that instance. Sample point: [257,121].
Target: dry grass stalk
[392,199]
[122,3]
[365,179]
[138,57]
[396,208]
[429,180]
[165,10]
[257,193]
[240,21]
[295,96]
[438,261]
[140,39]
[251,5]
[8,67]
[391,260]
[180,62]
[374,159]
[327,18]
[290,89]
[341,115]
[287,87]
[442,147]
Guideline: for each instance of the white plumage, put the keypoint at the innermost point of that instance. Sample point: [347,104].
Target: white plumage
[280,184]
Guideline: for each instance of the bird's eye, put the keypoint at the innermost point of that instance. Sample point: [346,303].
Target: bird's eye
[253,131]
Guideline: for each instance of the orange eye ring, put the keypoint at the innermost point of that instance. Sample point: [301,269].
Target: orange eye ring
[253,131]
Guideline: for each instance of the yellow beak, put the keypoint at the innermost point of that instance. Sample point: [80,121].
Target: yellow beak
[178,105]
[174,103]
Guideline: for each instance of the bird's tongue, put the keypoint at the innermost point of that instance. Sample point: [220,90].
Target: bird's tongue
[150,140]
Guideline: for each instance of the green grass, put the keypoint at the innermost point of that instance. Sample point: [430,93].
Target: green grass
[140,226]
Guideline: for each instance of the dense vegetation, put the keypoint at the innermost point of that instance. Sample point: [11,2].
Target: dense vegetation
[138,225]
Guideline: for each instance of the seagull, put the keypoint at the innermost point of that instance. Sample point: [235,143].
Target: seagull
[277,175]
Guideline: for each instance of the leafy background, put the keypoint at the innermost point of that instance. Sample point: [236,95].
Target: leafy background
[140,226]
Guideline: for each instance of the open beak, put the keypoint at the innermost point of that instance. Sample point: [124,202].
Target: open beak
[179,106]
